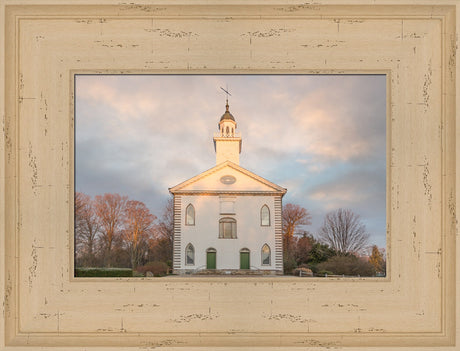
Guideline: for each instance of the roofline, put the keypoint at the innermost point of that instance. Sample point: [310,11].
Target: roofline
[219,192]
[278,189]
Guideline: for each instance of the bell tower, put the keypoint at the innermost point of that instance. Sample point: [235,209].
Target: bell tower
[227,142]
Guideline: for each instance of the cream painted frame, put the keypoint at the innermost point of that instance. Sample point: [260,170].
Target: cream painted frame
[414,42]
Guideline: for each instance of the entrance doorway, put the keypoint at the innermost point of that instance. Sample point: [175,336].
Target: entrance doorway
[211,258]
[244,259]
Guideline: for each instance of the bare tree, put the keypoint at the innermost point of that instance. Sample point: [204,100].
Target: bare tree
[110,210]
[78,223]
[162,246]
[344,232]
[166,225]
[86,229]
[138,229]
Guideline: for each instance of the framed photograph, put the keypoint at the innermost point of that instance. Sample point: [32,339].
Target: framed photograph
[413,45]
[232,161]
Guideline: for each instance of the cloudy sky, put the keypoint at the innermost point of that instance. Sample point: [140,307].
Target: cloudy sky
[322,137]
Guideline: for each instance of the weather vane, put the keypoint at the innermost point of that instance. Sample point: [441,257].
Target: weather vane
[226,92]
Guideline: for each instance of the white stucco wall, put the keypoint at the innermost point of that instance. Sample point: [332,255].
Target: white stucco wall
[228,149]
[250,234]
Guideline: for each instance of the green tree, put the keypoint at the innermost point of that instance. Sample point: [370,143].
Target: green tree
[320,253]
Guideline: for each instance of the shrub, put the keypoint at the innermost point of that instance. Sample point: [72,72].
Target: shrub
[103,272]
[347,265]
[158,268]
[137,274]
[313,268]
[289,265]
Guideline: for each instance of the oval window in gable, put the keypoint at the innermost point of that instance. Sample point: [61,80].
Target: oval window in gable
[228,179]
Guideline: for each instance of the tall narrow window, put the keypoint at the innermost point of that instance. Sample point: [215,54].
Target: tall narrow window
[265,253]
[189,255]
[265,216]
[227,228]
[190,215]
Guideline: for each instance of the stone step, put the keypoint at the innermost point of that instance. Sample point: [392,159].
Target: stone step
[235,272]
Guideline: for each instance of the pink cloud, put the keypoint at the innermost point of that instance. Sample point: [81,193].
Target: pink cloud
[128,103]
[328,131]
[335,198]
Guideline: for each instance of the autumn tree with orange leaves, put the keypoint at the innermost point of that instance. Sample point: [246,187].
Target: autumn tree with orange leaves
[377,259]
[109,209]
[293,217]
[114,231]
[139,224]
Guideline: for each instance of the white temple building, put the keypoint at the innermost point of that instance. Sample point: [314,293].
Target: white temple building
[227,220]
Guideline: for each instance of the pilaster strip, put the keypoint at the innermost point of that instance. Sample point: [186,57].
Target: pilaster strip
[177,233]
[278,234]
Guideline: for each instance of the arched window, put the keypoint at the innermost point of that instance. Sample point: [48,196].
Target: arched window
[189,255]
[265,216]
[265,254]
[190,215]
[227,130]
[227,228]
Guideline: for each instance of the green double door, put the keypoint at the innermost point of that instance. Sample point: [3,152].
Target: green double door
[244,260]
[211,260]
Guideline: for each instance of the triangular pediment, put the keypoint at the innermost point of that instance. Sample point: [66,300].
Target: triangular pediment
[227,177]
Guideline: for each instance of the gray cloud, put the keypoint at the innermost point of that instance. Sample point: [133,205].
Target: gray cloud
[315,135]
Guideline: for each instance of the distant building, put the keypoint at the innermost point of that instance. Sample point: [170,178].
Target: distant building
[227,219]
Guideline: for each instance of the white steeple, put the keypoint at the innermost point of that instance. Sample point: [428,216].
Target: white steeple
[227,142]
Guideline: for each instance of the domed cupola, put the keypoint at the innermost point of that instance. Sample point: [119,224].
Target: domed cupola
[227,115]
[227,124]
[227,142]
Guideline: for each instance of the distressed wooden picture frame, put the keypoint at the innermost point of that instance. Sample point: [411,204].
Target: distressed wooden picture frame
[414,43]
